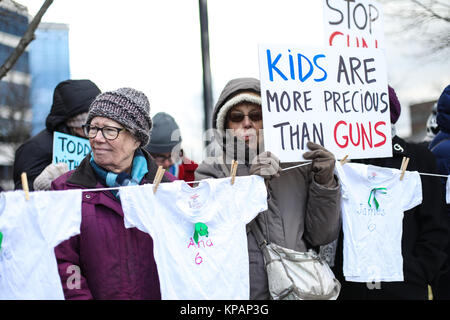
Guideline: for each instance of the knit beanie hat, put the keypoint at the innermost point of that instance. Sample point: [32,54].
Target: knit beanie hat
[241,97]
[164,134]
[127,106]
[394,105]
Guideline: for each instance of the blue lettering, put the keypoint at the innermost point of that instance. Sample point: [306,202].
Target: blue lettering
[271,66]
[316,57]
[300,68]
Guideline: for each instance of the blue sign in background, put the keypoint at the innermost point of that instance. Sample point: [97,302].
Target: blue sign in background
[69,149]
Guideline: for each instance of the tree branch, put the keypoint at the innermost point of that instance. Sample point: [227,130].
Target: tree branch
[430,11]
[25,40]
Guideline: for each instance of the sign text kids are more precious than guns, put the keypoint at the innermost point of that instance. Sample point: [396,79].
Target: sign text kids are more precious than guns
[336,98]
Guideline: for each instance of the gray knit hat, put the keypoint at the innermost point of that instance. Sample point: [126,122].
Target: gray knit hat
[127,106]
[165,134]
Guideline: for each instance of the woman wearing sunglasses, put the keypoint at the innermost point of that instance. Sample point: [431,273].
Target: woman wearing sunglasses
[303,203]
[111,261]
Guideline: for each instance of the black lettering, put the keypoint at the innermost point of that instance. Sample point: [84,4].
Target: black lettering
[297,96]
[281,125]
[342,69]
[338,11]
[367,71]
[355,68]
[273,98]
[71,143]
[318,135]
[294,134]
[62,142]
[284,97]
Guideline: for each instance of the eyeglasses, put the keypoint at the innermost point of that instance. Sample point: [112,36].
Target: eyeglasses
[237,116]
[109,133]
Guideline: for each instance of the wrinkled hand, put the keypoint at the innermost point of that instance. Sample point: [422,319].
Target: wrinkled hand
[322,164]
[266,165]
[50,173]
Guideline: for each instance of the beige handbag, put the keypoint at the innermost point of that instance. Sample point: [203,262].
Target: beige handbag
[296,275]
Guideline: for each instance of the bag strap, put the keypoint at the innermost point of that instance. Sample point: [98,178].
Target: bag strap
[261,241]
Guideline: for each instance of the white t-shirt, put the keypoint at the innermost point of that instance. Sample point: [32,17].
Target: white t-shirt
[372,237]
[31,230]
[218,266]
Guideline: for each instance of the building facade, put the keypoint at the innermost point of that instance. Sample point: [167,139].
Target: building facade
[15,115]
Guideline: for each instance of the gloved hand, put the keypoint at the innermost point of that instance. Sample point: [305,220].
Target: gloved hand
[50,173]
[322,164]
[266,165]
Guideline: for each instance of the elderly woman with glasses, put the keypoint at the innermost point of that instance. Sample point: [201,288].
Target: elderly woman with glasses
[107,260]
[303,203]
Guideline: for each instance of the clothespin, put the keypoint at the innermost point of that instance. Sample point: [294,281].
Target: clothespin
[234,166]
[403,167]
[344,160]
[25,185]
[158,176]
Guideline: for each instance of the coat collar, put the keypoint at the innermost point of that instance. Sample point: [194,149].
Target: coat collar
[85,176]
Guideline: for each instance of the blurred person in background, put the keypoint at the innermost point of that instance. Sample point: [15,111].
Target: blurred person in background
[71,101]
[165,147]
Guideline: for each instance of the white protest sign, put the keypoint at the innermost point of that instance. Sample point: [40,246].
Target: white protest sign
[338,99]
[69,149]
[353,23]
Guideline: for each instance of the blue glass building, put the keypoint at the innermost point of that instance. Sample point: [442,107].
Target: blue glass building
[49,65]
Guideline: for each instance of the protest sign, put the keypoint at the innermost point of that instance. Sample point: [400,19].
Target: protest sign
[338,99]
[353,23]
[69,149]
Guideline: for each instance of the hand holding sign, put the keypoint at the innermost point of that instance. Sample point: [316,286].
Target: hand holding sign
[322,164]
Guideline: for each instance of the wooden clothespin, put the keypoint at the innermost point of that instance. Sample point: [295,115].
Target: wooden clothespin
[234,166]
[403,167]
[23,176]
[158,176]
[344,160]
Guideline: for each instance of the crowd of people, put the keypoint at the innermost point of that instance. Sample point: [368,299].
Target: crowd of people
[303,204]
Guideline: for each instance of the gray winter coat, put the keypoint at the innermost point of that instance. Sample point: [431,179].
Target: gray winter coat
[301,213]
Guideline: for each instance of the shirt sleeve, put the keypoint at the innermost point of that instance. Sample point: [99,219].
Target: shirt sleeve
[58,214]
[251,195]
[138,207]
[412,196]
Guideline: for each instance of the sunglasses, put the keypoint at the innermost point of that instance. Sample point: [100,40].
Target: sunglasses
[237,116]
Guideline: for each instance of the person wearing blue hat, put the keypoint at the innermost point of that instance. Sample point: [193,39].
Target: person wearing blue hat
[440,146]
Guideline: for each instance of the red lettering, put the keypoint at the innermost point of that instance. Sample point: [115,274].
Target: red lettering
[363,137]
[380,134]
[363,133]
[351,134]
[335,135]
[334,34]
[358,42]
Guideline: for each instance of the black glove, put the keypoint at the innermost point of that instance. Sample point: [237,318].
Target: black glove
[322,164]
[266,165]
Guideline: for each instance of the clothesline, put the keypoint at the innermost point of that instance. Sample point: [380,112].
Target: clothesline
[284,169]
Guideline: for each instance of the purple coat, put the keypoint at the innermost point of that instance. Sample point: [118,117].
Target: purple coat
[114,262]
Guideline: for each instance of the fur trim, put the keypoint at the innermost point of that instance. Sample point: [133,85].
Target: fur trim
[237,99]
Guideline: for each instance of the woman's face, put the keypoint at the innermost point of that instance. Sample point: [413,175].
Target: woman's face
[113,155]
[245,120]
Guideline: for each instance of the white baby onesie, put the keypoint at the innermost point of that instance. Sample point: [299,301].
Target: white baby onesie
[31,230]
[373,201]
[217,267]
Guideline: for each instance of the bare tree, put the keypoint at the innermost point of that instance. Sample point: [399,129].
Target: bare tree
[25,40]
[426,21]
